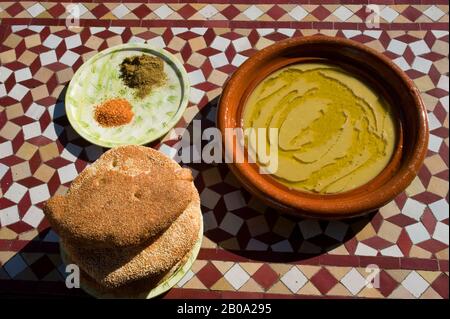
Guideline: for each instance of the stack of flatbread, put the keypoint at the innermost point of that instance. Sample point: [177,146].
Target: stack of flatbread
[128,221]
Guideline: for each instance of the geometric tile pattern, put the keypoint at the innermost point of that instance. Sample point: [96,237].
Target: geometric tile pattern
[249,250]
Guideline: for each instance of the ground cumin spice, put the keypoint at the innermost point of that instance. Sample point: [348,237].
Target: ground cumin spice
[113,112]
[143,73]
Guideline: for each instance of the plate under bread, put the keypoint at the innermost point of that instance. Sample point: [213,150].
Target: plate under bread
[165,284]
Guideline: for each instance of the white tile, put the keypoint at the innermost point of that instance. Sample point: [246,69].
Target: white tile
[265,31]
[196,77]
[444,102]
[242,44]
[169,151]
[157,42]
[434,143]
[199,30]
[413,209]
[434,13]
[73,41]
[48,57]
[9,216]
[71,152]
[309,228]
[187,276]
[415,284]
[16,28]
[354,281]
[31,130]
[373,33]
[433,121]
[231,223]
[196,95]
[286,31]
[36,28]
[439,33]
[294,279]
[417,233]
[238,60]
[117,30]
[120,11]
[4,73]
[78,10]
[234,200]
[135,39]
[421,64]
[6,149]
[402,64]
[95,30]
[392,251]
[440,209]
[298,13]
[364,250]
[163,11]
[419,47]
[220,43]
[15,265]
[52,41]
[69,58]
[67,173]
[443,82]
[209,198]
[282,246]
[33,216]
[351,33]
[397,47]
[22,74]
[53,131]
[2,90]
[15,192]
[178,30]
[35,111]
[388,14]
[218,60]
[39,194]
[343,13]
[256,245]
[441,233]
[3,170]
[36,9]
[336,230]
[209,221]
[253,12]
[18,92]
[236,276]
[208,11]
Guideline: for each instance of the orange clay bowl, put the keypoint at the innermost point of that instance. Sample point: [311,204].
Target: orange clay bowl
[381,73]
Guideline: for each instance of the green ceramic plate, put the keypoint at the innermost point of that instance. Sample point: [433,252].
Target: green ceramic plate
[98,80]
[165,285]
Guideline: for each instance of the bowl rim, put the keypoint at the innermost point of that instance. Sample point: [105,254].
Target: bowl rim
[336,205]
[145,46]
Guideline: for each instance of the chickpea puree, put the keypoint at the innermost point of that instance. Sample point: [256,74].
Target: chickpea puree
[335,132]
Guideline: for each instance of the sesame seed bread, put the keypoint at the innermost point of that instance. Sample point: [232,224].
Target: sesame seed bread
[128,197]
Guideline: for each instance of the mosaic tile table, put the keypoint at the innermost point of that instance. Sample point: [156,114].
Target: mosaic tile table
[248,250]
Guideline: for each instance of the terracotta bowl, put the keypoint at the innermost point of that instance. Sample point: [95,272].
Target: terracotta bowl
[373,67]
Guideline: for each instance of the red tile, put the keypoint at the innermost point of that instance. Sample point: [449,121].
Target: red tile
[100,10]
[15,9]
[324,280]
[209,275]
[187,11]
[320,13]
[440,285]
[230,12]
[142,11]
[387,283]
[265,276]
[419,264]
[411,13]
[57,10]
[276,12]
